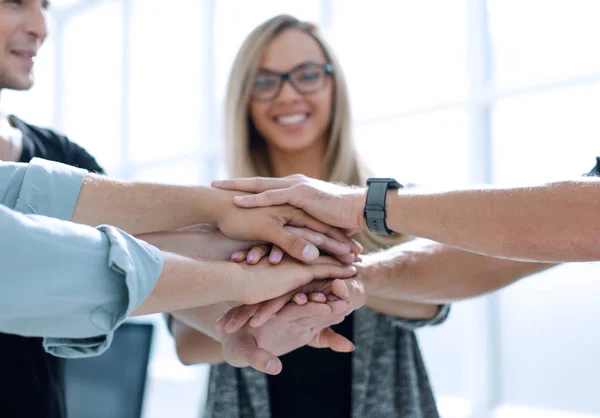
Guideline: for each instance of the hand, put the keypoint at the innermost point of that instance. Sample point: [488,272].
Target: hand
[294,327]
[335,205]
[265,281]
[323,242]
[350,290]
[267,225]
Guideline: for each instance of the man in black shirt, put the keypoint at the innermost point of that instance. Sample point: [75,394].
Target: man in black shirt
[33,380]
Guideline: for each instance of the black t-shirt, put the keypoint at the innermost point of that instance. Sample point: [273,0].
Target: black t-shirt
[34,381]
[314,382]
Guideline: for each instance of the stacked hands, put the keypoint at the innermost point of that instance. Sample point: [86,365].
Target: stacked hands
[305,280]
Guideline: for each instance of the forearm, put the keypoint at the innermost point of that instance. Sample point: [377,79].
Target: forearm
[433,273]
[195,347]
[202,242]
[402,309]
[187,283]
[144,207]
[556,222]
[196,335]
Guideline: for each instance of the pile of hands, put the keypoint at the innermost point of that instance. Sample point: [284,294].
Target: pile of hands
[301,273]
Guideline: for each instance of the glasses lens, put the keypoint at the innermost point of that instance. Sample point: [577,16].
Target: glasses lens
[308,79]
[266,86]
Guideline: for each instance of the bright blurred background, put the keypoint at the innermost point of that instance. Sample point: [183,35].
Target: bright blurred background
[455,91]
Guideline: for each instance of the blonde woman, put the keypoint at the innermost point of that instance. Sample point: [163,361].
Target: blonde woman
[287,112]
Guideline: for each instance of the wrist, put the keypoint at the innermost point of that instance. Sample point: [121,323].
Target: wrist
[375,274]
[216,204]
[358,206]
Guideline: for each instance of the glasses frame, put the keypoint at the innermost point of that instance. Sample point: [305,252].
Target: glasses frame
[283,77]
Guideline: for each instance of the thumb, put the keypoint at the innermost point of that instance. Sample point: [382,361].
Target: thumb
[296,246]
[245,352]
[328,338]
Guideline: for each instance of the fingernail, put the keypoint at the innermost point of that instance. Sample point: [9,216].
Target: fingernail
[270,366]
[238,198]
[274,257]
[319,295]
[334,297]
[254,320]
[235,255]
[302,296]
[231,324]
[251,257]
[310,252]
[318,240]
[216,183]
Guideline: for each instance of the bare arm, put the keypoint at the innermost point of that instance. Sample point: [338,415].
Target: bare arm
[194,347]
[196,336]
[429,272]
[144,207]
[554,222]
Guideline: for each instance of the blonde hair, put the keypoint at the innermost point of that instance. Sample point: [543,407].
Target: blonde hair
[246,151]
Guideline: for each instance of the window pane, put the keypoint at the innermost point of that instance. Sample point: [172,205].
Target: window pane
[183,172]
[535,40]
[427,149]
[400,55]
[549,354]
[165,79]
[92,74]
[235,19]
[546,136]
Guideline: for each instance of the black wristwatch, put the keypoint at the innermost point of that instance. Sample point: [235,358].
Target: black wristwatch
[375,205]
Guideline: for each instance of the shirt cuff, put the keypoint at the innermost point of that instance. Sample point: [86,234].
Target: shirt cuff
[140,264]
[50,189]
[413,324]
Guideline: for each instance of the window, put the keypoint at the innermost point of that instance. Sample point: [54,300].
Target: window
[443,94]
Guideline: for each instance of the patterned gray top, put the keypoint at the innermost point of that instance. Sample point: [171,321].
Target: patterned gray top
[389,376]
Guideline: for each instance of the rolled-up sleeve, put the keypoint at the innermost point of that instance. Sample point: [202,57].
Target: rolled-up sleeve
[69,283]
[41,187]
[413,324]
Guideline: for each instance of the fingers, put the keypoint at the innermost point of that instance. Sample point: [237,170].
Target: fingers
[265,362]
[281,307]
[236,318]
[339,246]
[317,297]
[336,314]
[245,352]
[268,309]
[345,244]
[328,338]
[266,198]
[300,299]
[239,256]
[350,290]
[276,255]
[256,184]
[257,253]
[296,246]
[329,271]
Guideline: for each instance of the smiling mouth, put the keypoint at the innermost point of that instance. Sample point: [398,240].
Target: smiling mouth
[289,120]
[26,55]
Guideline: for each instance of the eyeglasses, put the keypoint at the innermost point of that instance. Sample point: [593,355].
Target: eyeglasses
[306,78]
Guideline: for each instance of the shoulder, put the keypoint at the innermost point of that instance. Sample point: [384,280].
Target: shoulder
[51,145]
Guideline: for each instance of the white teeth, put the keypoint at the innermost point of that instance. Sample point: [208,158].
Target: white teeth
[292,119]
